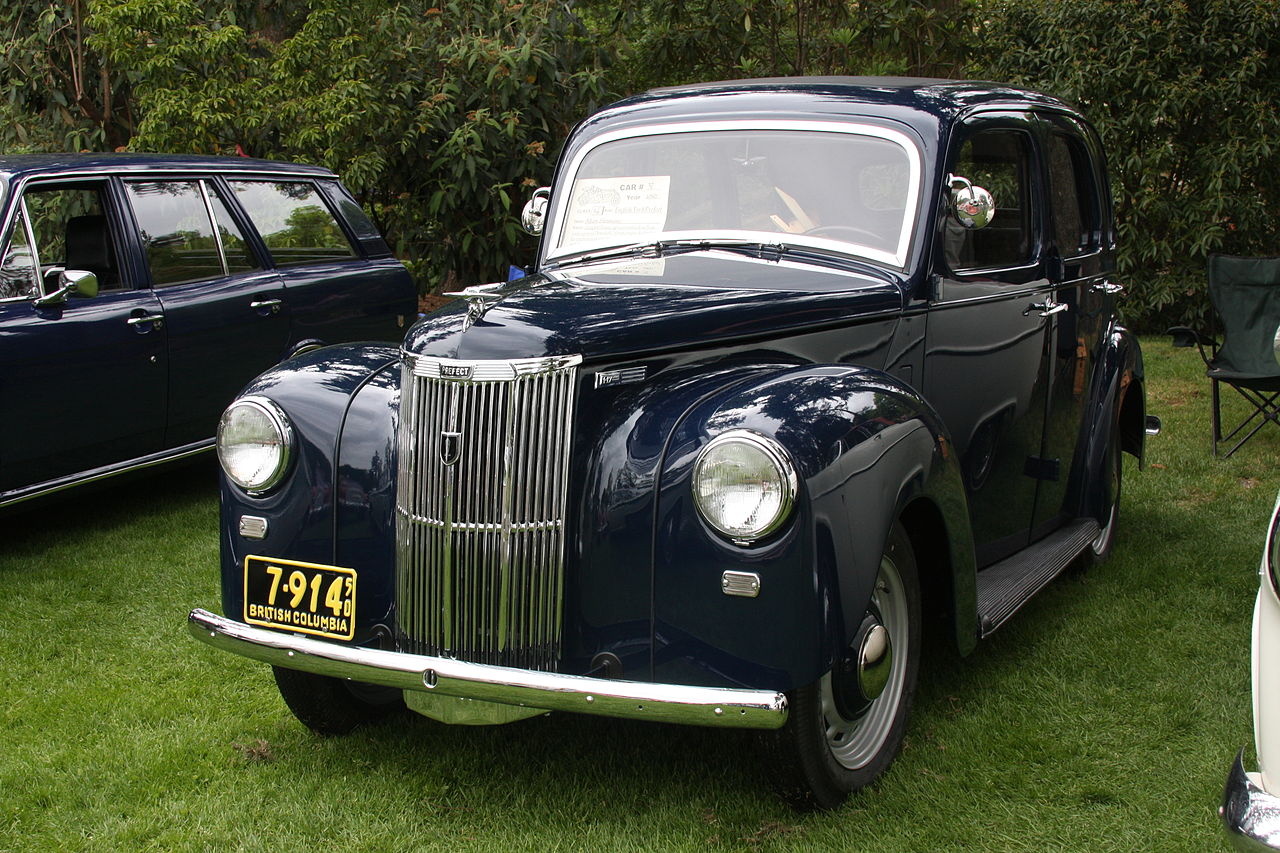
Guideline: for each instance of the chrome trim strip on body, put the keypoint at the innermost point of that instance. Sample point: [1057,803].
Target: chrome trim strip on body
[142,462]
[896,258]
[724,707]
[1251,815]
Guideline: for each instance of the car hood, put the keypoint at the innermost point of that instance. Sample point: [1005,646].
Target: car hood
[611,310]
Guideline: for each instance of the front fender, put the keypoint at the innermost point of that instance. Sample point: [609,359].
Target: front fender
[864,446]
[315,390]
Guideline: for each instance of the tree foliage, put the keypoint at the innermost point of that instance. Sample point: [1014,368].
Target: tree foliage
[665,42]
[1186,97]
[439,118]
[442,117]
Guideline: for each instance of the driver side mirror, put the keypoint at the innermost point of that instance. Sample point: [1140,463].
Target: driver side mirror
[535,211]
[973,207]
[79,283]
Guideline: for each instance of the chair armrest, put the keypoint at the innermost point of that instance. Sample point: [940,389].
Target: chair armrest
[1185,336]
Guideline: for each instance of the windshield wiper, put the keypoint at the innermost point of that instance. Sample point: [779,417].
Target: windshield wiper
[662,248]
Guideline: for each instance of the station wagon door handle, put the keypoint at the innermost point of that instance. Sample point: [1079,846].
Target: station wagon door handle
[156,321]
[1108,287]
[1046,308]
[272,304]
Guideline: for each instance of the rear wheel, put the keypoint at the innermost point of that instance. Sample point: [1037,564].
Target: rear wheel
[843,731]
[1100,548]
[333,706]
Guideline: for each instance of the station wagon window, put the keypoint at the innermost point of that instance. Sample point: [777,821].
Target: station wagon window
[1074,196]
[70,229]
[850,188]
[1000,162]
[187,232]
[294,222]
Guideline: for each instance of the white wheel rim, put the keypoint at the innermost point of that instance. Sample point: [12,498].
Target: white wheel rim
[854,743]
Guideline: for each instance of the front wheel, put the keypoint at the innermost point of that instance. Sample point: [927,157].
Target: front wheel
[844,730]
[333,706]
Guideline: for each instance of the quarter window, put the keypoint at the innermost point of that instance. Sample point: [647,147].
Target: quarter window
[182,242]
[294,222]
[1000,162]
[18,276]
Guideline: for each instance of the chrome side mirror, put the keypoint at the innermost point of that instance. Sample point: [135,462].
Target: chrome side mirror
[79,283]
[534,214]
[973,207]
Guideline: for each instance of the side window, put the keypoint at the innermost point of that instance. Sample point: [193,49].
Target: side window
[1073,196]
[68,229]
[294,222]
[999,161]
[181,241]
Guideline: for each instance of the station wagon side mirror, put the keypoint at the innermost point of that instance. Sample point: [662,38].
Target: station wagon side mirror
[79,283]
[973,207]
[535,211]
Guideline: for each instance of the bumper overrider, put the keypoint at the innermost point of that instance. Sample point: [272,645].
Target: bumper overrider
[1251,814]
[722,707]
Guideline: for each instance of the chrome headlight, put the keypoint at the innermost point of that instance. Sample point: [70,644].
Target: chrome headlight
[744,485]
[255,442]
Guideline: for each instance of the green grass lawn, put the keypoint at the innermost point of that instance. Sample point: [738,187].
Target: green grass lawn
[1103,717]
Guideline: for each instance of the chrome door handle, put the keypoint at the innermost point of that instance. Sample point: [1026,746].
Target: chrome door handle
[1046,308]
[1107,287]
[156,320]
[273,304]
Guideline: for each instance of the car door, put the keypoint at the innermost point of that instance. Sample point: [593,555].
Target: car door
[224,312]
[1078,269]
[84,380]
[335,292]
[992,310]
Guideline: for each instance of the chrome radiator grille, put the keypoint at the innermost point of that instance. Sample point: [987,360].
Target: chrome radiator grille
[484,465]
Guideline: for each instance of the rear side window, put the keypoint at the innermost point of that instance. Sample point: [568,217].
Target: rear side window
[294,222]
[1076,212]
[187,232]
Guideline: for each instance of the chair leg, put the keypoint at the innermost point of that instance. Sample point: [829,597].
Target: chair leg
[1264,405]
[1217,416]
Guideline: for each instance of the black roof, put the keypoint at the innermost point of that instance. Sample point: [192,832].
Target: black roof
[24,165]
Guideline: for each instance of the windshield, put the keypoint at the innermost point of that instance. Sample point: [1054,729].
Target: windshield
[841,187]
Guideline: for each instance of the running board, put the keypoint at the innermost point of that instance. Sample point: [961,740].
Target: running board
[1007,585]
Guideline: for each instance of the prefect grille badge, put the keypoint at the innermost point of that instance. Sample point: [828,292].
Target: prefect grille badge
[450,448]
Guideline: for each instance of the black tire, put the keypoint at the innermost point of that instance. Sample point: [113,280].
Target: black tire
[332,706]
[820,757]
[1100,548]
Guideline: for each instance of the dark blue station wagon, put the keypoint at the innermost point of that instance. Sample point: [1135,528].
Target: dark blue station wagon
[804,367]
[139,293]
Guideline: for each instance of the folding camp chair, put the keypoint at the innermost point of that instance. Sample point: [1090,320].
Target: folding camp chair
[1246,296]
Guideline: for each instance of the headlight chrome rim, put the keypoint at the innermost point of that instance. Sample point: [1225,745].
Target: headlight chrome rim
[788,482]
[279,422]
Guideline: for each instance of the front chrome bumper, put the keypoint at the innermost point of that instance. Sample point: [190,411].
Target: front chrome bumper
[1251,814]
[723,707]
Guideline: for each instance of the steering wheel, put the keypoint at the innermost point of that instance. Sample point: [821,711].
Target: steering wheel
[843,232]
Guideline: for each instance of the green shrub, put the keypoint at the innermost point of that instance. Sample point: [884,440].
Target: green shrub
[1186,97]
[440,119]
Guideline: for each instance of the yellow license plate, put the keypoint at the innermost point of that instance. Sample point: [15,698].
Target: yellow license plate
[304,597]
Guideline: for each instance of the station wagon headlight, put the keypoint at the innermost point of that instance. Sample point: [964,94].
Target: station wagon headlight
[744,485]
[255,441]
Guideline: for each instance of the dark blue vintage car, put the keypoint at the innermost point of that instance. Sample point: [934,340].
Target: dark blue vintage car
[139,293]
[804,367]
